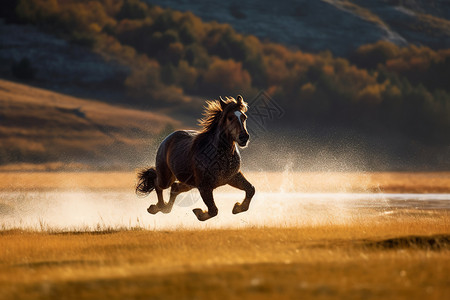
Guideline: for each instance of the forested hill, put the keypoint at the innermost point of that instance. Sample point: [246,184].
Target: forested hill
[167,58]
[336,25]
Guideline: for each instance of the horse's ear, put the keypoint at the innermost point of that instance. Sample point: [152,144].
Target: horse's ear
[222,102]
[239,99]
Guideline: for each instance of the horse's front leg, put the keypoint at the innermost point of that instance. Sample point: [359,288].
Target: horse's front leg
[239,181]
[207,196]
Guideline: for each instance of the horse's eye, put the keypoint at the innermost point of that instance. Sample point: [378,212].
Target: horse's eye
[230,118]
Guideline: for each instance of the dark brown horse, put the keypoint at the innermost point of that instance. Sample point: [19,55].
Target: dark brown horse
[204,160]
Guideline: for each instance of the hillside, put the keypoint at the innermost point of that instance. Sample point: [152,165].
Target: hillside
[336,25]
[384,102]
[58,131]
[58,64]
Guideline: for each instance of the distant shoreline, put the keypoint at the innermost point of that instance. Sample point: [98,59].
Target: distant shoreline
[314,182]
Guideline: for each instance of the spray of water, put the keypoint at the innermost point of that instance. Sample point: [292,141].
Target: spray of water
[280,205]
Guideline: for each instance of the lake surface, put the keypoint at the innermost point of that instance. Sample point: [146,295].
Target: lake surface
[95,210]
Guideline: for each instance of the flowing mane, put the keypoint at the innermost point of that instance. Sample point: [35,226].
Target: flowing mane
[213,111]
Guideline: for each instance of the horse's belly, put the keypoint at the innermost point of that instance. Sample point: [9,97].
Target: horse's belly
[185,176]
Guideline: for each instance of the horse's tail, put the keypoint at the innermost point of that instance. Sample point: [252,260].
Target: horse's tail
[146,181]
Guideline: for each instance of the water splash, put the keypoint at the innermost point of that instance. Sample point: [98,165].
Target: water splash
[93,210]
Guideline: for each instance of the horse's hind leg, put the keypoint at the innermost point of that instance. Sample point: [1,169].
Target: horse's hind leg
[176,189]
[207,196]
[154,208]
[163,180]
[239,181]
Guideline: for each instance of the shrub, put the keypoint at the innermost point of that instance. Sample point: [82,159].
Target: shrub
[132,9]
[225,77]
[23,69]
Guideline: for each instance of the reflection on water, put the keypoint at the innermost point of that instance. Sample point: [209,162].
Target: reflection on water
[93,210]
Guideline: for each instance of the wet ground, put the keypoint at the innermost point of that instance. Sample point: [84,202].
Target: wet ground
[95,210]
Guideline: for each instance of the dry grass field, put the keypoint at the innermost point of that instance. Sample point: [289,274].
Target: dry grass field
[393,258]
[403,254]
[44,126]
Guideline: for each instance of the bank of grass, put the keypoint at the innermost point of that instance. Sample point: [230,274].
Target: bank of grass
[59,131]
[406,256]
[388,182]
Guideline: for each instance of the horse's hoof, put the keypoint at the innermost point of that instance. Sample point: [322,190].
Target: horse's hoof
[238,208]
[201,215]
[153,209]
[166,210]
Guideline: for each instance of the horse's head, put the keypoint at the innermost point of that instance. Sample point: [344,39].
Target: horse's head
[233,119]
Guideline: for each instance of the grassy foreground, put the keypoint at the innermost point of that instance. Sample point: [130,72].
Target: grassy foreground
[406,256]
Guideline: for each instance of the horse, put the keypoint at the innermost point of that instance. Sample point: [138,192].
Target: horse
[204,159]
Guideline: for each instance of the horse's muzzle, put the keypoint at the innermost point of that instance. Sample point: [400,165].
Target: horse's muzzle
[243,139]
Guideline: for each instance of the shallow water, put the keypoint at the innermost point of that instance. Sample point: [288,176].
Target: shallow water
[94,210]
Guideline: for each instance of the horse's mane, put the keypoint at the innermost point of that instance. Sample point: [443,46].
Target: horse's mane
[213,111]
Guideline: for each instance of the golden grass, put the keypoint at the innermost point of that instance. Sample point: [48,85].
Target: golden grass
[434,24]
[395,182]
[360,11]
[30,104]
[356,261]
[40,125]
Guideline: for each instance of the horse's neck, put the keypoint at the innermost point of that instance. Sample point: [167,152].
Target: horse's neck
[223,142]
[216,141]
